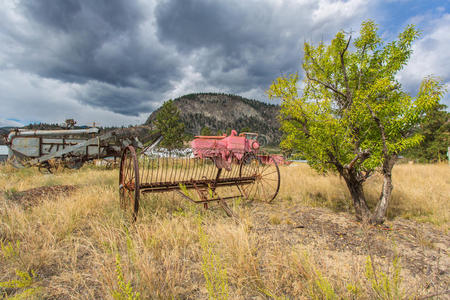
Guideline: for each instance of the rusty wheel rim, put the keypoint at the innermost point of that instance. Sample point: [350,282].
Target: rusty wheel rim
[129,182]
[266,176]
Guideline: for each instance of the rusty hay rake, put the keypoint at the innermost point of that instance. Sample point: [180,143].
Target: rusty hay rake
[253,176]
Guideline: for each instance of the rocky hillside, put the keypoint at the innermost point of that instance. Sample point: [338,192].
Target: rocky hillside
[222,112]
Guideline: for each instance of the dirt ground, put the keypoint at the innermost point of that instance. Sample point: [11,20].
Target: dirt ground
[423,250]
[35,196]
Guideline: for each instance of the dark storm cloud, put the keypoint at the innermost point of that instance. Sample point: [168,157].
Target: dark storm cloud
[106,16]
[96,41]
[128,101]
[128,56]
[243,44]
[80,41]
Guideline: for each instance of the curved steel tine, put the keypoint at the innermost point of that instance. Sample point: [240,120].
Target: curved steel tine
[163,177]
[162,169]
[156,170]
[152,170]
[179,165]
[141,164]
[198,165]
[149,169]
[182,169]
[171,169]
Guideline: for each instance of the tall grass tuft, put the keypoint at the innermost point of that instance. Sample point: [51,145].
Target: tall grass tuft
[124,290]
[213,271]
[385,286]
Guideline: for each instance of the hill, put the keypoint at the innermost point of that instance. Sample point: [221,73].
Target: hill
[222,112]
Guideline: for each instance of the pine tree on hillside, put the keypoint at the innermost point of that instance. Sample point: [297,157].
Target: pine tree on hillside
[169,125]
[435,128]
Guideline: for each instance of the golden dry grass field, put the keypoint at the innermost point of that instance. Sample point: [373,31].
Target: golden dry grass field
[60,242]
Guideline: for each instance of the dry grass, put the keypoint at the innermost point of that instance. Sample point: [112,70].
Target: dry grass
[72,243]
[421,192]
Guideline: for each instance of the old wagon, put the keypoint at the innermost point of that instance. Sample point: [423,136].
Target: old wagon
[67,147]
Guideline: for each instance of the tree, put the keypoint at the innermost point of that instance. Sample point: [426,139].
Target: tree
[70,123]
[435,128]
[169,125]
[206,131]
[352,116]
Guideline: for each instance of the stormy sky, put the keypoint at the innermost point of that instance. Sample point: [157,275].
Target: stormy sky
[113,62]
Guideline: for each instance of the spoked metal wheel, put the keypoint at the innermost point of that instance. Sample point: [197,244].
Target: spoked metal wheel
[129,182]
[46,168]
[73,163]
[264,169]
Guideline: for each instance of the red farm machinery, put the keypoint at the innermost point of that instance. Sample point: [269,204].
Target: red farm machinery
[212,162]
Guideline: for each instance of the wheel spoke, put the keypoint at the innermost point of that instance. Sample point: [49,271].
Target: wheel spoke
[129,191]
[263,190]
[271,179]
[273,172]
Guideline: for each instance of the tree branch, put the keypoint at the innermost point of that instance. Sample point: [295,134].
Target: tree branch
[317,64]
[362,156]
[335,162]
[367,175]
[360,70]
[302,122]
[382,131]
[328,86]
[347,87]
[362,177]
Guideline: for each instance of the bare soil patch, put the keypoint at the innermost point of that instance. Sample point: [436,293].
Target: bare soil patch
[423,250]
[35,196]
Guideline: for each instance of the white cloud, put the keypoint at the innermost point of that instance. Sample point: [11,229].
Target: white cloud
[30,98]
[330,10]
[10,123]
[431,56]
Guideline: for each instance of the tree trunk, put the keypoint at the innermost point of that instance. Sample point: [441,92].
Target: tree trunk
[379,215]
[356,191]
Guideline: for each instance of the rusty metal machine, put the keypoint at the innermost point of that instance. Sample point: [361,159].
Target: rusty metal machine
[212,162]
[68,147]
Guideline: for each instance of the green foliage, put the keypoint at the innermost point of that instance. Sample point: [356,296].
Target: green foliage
[322,288]
[435,129]
[124,291]
[351,115]
[24,282]
[319,287]
[205,131]
[10,250]
[332,118]
[215,275]
[169,125]
[245,129]
[22,287]
[385,286]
